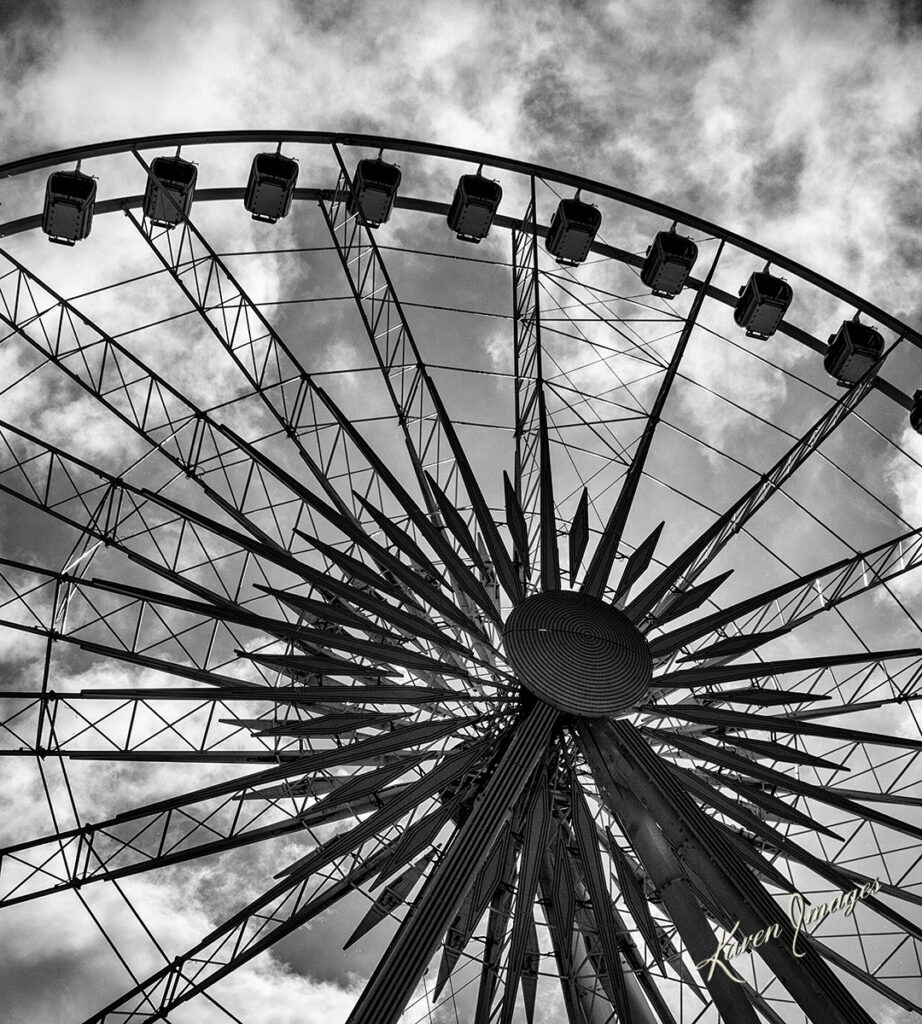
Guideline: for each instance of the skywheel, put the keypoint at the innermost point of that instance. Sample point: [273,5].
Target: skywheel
[479,577]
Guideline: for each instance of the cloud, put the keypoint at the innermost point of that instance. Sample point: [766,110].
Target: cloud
[902,474]
[86,973]
[798,125]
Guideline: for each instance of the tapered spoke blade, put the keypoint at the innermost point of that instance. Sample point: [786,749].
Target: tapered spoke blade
[389,988]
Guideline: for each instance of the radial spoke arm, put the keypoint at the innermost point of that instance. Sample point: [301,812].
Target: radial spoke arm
[716,675]
[596,578]
[619,748]
[452,768]
[393,981]
[727,758]
[791,604]
[533,473]
[136,521]
[284,906]
[199,446]
[866,977]
[722,718]
[421,416]
[276,379]
[494,542]
[656,597]
[839,876]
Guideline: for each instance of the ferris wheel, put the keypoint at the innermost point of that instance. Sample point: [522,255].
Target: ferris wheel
[480,577]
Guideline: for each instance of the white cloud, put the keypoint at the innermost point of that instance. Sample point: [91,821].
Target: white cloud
[903,476]
[792,123]
[263,991]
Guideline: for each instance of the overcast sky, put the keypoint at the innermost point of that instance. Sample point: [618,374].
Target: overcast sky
[798,124]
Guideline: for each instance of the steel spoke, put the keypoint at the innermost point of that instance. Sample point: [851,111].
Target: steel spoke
[791,604]
[596,578]
[654,600]
[400,969]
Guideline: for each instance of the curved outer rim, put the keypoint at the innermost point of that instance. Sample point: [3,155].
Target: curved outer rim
[63,156]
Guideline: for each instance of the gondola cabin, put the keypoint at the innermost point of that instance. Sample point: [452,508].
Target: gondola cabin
[68,212]
[474,206]
[573,231]
[270,187]
[669,262]
[915,413]
[852,351]
[762,304]
[169,192]
[374,189]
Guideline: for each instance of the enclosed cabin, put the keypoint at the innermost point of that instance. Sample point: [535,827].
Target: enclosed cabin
[915,413]
[852,351]
[573,231]
[68,212]
[271,186]
[474,206]
[669,262]
[763,301]
[374,189]
[169,192]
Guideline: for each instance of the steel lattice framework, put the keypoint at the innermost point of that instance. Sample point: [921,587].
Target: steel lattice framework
[260,582]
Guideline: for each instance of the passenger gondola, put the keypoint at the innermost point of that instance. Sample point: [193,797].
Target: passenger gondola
[67,215]
[915,413]
[763,301]
[573,231]
[170,189]
[270,187]
[669,262]
[852,351]
[374,189]
[474,206]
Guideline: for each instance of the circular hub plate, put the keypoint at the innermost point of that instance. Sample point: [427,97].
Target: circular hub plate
[578,653]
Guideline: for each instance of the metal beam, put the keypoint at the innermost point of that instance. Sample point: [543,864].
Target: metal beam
[596,579]
[624,752]
[413,394]
[649,606]
[671,883]
[533,474]
[200,447]
[278,379]
[391,985]
[693,678]
[794,603]
[284,906]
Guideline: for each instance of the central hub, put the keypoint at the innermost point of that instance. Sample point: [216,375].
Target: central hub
[578,653]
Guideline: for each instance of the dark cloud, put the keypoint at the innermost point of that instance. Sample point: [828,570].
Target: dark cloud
[696,109]
[776,178]
[552,109]
[29,38]
[908,17]
[18,14]
[28,996]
